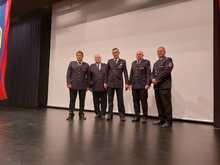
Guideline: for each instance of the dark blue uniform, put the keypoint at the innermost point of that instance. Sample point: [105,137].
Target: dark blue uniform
[140,76]
[98,77]
[162,72]
[78,76]
[116,70]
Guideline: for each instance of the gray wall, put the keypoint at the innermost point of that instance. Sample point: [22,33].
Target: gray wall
[91,10]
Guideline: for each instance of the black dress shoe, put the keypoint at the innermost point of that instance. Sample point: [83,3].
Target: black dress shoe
[82,116]
[136,119]
[165,125]
[122,118]
[98,116]
[144,120]
[109,117]
[70,117]
[102,117]
[158,122]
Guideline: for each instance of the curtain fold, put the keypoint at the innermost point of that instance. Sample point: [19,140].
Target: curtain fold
[23,69]
[217,63]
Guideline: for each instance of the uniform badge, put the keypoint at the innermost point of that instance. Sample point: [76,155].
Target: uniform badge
[170,65]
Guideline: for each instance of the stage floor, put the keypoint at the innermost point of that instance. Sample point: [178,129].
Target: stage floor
[38,137]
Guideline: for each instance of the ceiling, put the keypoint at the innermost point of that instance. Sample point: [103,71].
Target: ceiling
[23,7]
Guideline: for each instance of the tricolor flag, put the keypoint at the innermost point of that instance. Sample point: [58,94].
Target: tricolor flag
[5,8]
[219,4]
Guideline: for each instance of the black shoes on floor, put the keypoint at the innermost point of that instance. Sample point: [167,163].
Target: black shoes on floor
[110,118]
[122,119]
[162,124]
[101,117]
[82,116]
[157,122]
[71,116]
[138,119]
[166,125]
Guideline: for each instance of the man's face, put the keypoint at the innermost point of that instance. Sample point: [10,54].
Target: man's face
[139,55]
[98,58]
[161,52]
[115,53]
[79,56]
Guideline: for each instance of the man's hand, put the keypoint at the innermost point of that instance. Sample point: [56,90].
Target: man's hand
[147,87]
[69,86]
[105,86]
[155,82]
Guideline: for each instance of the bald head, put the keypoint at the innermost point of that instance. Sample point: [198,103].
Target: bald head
[161,51]
[98,58]
[139,55]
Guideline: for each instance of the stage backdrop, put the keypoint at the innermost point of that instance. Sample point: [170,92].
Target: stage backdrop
[185,28]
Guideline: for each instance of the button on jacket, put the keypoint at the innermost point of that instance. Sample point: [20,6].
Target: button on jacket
[98,76]
[116,69]
[78,75]
[140,74]
[162,72]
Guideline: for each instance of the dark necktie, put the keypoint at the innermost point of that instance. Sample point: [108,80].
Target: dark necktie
[98,66]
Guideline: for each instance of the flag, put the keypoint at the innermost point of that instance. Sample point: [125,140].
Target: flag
[219,4]
[5,8]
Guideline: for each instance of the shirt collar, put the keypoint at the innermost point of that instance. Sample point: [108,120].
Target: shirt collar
[162,58]
[139,61]
[79,62]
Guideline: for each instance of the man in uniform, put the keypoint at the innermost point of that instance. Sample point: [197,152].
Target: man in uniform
[161,78]
[140,81]
[116,69]
[78,82]
[98,86]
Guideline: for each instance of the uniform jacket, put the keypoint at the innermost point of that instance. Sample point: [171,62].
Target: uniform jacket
[162,72]
[78,75]
[140,74]
[98,77]
[115,73]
